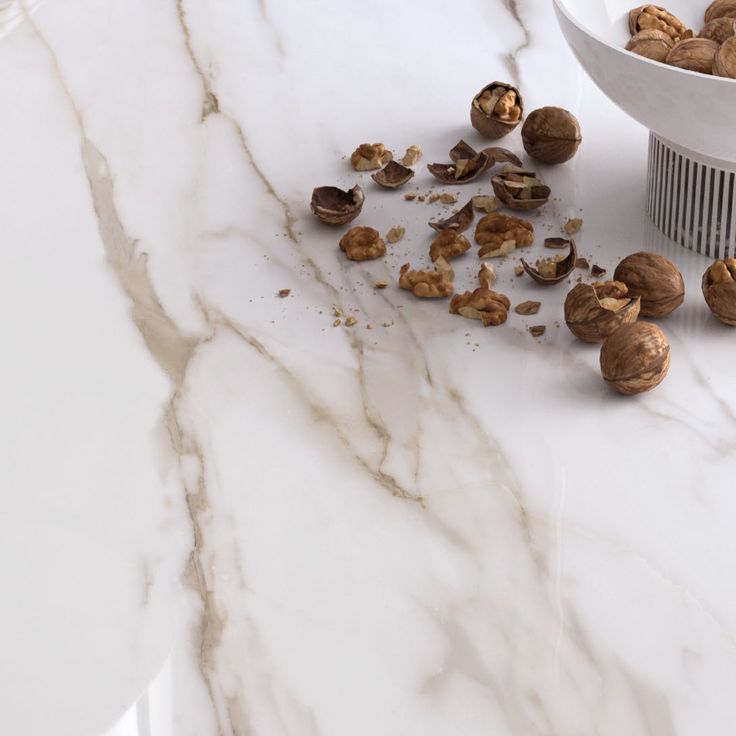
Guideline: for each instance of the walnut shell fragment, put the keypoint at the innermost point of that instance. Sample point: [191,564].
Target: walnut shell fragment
[496,154]
[490,307]
[635,358]
[436,284]
[520,190]
[552,270]
[655,17]
[459,222]
[499,234]
[655,279]
[651,44]
[527,308]
[719,290]
[448,245]
[362,244]
[462,171]
[368,156]
[334,206]
[496,110]
[720,9]
[595,311]
[393,175]
[556,243]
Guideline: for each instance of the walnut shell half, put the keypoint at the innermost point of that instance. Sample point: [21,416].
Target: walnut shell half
[520,190]
[392,175]
[655,279]
[553,270]
[719,290]
[496,110]
[335,206]
[635,358]
[595,311]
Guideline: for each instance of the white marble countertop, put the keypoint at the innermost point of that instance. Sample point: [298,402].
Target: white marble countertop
[224,516]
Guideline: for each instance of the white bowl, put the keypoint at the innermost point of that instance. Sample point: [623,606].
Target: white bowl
[696,111]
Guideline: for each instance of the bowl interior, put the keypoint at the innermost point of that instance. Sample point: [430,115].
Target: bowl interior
[608,19]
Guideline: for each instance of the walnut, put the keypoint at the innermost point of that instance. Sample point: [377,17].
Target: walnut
[520,190]
[724,64]
[362,244]
[651,44]
[657,18]
[537,330]
[551,135]
[573,225]
[368,156]
[553,270]
[719,290]
[719,29]
[497,231]
[447,198]
[490,307]
[496,110]
[395,234]
[655,279]
[428,284]
[593,312]
[448,245]
[487,203]
[283,293]
[720,9]
[526,308]
[335,206]
[412,155]
[695,54]
[486,275]
[635,358]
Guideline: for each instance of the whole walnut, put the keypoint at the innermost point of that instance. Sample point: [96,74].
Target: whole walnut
[695,54]
[720,9]
[654,16]
[719,290]
[490,307]
[635,358]
[651,43]
[362,244]
[724,63]
[448,245]
[655,279]
[595,311]
[719,29]
[551,135]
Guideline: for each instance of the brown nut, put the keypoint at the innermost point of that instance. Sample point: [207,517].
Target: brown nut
[362,244]
[368,156]
[653,16]
[520,190]
[490,307]
[448,245]
[496,110]
[655,279]
[719,29]
[436,284]
[393,175]
[459,222]
[335,206]
[552,270]
[720,9]
[635,358]
[724,63]
[594,311]
[719,290]
[497,230]
[694,54]
[651,43]
[551,135]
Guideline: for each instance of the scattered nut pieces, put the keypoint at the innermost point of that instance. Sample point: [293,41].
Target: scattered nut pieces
[335,206]
[459,222]
[490,307]
[369,156]
[351,321]
[520,190]
[362,244]
[448,245]
[395,234]
[556,243]
[573,225]
[496,110]
[428,284]
[593,312]
[486,275]
[393,175]
[486,203]
[499,234]
[582,263]
[653,16]
[526,308]
[549,271]
[519,269]
[410,196]
[551,135]
[719,290]
[597,271]
[284,293]
[655,279]
[380,285]
[446,198]
[537,330]
[412,155]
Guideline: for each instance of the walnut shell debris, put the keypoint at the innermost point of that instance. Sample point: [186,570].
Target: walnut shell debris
[549,271]
[334,206]
[694,54]
[496,110]
[520,190]
[635,358]
[719,29]
[527,308]
[448,245]
[655,279]
[596,271]
[459,222]
[362,244]
[490,307]
[655,17]
[720,9]
[595,311]
[719,290]
[436,284]
[393,175]
[499,234]
[556,243]
[651,44]
[369,156]
[551,135]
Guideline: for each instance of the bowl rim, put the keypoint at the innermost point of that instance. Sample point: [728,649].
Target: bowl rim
[561,7]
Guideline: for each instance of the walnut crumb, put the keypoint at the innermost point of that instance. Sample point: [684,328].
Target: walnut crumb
[336,312]
[380,285]
[519,269]
[351,321]
[537,330]
[284,292]
[337,323]
[433,198]
[395,234]
[369,326]
[597,271]
[410,196]
[421,198]
[573,225]
[448,198]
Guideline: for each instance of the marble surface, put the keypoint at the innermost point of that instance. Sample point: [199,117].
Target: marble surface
[224,516]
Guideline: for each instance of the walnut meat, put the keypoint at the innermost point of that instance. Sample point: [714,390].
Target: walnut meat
[595,311]
[635,358]
[652,44]
[497,229]
[655,279]
[435,284]
[448,245]
[551,135]
[490,307]
[655,17]
[496,110]
[369,156]
[362,244]
[695,54]
[719,290]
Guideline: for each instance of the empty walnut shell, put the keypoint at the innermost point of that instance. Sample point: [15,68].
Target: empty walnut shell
[719,29]
[490,307]
[658,18]
[553,270]
[635,358]
[694,54]
[720,9]
[551,135]
[496,110]
[594,311]
[719,290]
[724,63]
[655,279]
[651,44]
[335,206]
[459,222]
[520,190]
[392,175]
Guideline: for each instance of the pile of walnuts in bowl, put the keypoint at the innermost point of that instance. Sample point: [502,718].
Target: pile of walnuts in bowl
[659,35]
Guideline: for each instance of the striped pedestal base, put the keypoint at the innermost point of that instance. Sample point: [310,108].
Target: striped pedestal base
[692,199]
